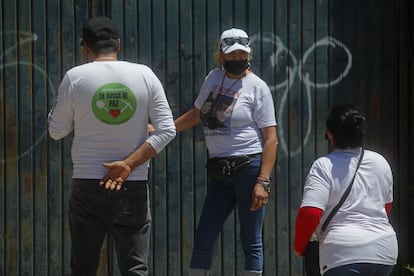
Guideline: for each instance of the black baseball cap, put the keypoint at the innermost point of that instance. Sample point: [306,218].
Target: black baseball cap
[97,29]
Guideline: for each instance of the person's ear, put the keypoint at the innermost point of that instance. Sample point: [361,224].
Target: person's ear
[84,53]
[90,55]
[330,137]
[119,46]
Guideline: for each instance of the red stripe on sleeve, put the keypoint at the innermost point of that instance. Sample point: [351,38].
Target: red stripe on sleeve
[388,207]
[307,220]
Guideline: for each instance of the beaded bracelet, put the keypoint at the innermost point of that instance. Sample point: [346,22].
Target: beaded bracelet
[262,177]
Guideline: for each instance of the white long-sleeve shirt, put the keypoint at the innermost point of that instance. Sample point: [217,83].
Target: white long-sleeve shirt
[108,106]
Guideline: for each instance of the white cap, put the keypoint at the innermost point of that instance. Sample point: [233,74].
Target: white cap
[233,33]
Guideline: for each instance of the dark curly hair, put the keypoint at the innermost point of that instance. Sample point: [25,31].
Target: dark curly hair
[347,125]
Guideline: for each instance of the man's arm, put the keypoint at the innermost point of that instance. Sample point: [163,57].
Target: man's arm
[118,171]
[60,117]
[162,131]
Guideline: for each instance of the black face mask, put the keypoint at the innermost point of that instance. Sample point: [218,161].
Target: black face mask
[236,67]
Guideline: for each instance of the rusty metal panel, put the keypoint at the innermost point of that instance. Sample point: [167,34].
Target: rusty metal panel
[312,54]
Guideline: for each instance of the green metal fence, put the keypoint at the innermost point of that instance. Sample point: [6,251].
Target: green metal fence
[312,54]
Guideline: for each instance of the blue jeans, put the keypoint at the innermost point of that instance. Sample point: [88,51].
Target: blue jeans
[221,199]
[95,212]
[365,269]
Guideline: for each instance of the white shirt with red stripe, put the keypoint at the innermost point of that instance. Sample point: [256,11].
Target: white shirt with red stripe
[360,232]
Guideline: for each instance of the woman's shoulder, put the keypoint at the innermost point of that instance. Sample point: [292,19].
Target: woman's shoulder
[216,72]
[376,157]
[323,161]
[255,81]
[254,77]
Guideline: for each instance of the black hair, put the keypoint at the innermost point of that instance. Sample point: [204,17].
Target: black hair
[104,46]
[347,125]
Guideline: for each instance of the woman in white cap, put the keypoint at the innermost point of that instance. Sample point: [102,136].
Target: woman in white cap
[236,110]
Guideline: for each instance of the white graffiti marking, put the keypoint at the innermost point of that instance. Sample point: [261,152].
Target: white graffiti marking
[281,60]
[27,37]
[284,62]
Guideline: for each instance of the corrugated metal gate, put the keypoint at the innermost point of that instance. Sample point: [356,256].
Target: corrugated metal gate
[312,54]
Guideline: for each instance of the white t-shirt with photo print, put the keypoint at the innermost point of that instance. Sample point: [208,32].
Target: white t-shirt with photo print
[232,111]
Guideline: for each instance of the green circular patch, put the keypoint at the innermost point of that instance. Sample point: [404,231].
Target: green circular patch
[114,103]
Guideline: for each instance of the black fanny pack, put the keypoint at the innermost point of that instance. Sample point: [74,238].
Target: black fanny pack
[223,168]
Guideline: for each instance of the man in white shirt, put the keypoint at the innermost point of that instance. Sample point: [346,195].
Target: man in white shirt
[108,104]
